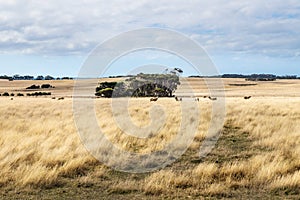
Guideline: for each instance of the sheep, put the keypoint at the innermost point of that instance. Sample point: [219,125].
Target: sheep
[154,99]
[212,98]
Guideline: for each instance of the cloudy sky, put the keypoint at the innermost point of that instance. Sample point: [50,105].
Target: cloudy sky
[241,36]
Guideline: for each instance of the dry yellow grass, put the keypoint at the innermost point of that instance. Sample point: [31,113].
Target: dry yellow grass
[258,151]
[38,142]
[274,131]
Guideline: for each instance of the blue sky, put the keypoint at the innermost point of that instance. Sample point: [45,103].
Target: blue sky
[55,37]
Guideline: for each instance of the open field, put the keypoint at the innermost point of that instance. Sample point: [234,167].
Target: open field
[257,155]
[232,87]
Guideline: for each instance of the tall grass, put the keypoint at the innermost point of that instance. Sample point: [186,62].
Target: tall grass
[39,146]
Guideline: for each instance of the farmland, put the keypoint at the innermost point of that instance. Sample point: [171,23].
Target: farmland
[256,156]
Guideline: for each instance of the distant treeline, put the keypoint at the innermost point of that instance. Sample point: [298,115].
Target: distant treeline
[121,76]
[252,77]
[27,77]
[247,77]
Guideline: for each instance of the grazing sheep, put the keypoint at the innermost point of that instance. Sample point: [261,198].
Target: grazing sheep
[154,99]
[212,98]
[178,99]
[197,99]
[247,97]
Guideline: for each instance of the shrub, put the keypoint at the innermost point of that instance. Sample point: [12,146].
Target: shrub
[12,94]
[33,87]
[39,94]
[105,85]
[5,94]
[20,95]
[47,86]
[107,92]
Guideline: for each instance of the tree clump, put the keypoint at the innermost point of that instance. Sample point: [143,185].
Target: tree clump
[36,87]
[141,85]
[47,86]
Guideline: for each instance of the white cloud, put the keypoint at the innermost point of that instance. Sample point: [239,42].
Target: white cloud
[68,27]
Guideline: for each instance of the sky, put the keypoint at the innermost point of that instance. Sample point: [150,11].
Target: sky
[241,36]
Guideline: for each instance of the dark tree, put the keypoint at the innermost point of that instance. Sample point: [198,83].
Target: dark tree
[105,89]
[39,78]
[49,77]
[46,86]
[33,87]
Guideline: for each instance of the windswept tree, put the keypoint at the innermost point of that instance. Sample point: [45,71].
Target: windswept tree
[141,85]
[154,84]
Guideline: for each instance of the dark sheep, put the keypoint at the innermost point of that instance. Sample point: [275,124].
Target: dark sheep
[154,99]
[212,98]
